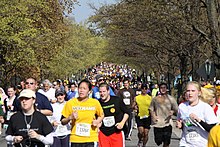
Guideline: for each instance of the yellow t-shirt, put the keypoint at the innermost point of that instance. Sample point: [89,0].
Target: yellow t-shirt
[82,129]
[214,137]
[143,102]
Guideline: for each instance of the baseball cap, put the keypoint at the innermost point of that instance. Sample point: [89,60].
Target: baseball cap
[144,86]
[59,92]
[27,93]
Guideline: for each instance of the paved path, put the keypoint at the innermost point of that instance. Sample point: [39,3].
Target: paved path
[174,139]
[133,142]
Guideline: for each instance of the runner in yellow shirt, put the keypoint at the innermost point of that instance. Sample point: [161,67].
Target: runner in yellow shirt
[85,114]
[143,119]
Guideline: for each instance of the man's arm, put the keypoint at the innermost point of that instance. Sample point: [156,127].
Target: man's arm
[120,125]
[46,112]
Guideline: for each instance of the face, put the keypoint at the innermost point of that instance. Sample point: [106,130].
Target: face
[139,85]
[27,103]
[212,102]
[46,87]
[104,93]
[72,87]
[192,93]
[30,84]
[22,84]
[144,90]
[11,92]
[126,84]
[83,90]
[163,89]
[101,80]
[60,98]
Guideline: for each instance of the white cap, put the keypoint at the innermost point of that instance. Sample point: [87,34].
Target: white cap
[27,93]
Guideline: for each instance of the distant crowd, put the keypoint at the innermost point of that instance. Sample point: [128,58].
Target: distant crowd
[114,100]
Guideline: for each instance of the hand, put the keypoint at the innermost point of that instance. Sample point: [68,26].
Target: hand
[33,134]
[194,117]
[135,107]
[95,123]
[74,115]
[55,123]
[119,125]
[155,118]
[171,112]
[18,139]
[179,124]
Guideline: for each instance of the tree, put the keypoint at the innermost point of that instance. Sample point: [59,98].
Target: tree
[162,35]
[31,33]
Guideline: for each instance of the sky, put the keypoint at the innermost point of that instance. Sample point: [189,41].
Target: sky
[83,11]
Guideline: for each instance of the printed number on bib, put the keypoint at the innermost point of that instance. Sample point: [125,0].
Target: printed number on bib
[192,136]
[9,114]
[83,129]
[61,129]
[126,101]
[109,121]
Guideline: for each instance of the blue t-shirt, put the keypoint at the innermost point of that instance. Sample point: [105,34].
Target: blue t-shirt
[71,94]
[42,102]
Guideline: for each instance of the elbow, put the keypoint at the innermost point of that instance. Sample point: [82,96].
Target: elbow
[62,122]
[50,113]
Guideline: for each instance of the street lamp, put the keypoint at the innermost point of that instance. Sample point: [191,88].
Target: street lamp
[208,68]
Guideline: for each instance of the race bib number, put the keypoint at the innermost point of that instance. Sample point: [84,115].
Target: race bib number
[109,121]
[61,129]
[5,126]
[9,114]
[192,136]
[126,94]
[127,101]
[83,129]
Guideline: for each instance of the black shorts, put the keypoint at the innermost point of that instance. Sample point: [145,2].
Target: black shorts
[88,144]
[145,122]
[162,135]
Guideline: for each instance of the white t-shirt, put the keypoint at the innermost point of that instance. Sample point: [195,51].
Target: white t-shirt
[60,130]
[194,135]
[50,94]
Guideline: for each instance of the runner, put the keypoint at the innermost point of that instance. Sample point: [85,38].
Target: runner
[61,132]
[116,114]
[128,95]
[143,119]
[85,114]
[24,127]
[195,117]
[162,108]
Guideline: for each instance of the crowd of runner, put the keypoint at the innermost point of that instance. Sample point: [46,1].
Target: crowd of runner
[104,107]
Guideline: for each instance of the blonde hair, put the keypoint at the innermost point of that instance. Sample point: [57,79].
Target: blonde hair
[196,84]
[208,94]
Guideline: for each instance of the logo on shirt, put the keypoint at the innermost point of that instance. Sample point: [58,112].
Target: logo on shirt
[84,108]
[112,110]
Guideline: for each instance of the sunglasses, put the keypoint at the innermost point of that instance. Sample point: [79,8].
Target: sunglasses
[31,83]
[24,98]
[101,80]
